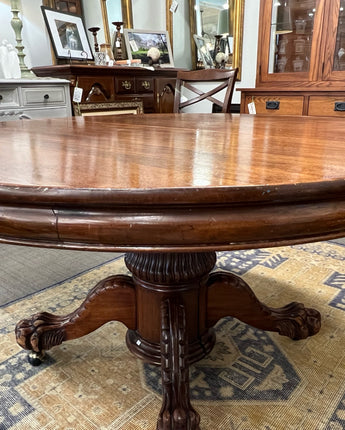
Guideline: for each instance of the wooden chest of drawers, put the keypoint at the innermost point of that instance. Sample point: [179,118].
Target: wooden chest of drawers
[318,102]
[103,84]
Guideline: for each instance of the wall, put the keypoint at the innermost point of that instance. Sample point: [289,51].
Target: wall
[148,14]
[182,37]
[93,18]
[250,47]
[38,51]
[34,34]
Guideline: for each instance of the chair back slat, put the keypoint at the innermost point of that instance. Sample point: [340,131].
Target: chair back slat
[225,77]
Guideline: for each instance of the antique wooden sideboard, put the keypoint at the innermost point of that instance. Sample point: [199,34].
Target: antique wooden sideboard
[105,84]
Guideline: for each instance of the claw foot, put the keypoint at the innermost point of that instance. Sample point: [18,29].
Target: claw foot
[115,296]
[298,322]
[41,332]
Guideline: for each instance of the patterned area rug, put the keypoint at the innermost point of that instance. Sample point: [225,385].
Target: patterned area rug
[252,380]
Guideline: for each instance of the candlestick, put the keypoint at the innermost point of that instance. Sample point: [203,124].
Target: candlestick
[118,40]
[94,33]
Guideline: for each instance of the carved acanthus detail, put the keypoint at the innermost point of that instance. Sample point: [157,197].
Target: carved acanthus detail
[170,268]
[177,412]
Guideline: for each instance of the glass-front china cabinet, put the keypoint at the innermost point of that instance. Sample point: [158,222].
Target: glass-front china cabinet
[301,59]
[291,36]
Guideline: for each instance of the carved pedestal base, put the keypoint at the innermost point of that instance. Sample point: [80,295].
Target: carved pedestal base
[229,295]
[151,352]
[169,305]
[115,296]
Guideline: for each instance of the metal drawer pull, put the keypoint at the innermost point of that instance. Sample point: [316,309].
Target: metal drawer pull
[126,85]
[339,106]
[272,104]
[146,85]
[46,96]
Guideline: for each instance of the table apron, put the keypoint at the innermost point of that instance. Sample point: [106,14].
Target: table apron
[217,227]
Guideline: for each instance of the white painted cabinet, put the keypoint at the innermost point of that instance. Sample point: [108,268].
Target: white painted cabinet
[34,98]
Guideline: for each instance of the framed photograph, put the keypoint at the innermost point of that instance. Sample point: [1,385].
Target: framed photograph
[204,52]
[138,43]
[67,34]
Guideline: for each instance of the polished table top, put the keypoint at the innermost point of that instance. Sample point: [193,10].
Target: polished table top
[172,181]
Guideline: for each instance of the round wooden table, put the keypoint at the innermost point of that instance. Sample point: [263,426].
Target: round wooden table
[170,190]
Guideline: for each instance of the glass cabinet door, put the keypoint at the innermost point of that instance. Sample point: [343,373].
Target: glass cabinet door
[334,52]
[292,26]
[290,34]
[302,42]
[339,51]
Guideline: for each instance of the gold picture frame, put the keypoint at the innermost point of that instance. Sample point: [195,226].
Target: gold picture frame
[113,108]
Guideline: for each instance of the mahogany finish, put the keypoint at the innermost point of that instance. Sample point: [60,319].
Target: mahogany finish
[109,84]
[170,191]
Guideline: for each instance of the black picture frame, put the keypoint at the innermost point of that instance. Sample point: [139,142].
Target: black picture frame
[67,34]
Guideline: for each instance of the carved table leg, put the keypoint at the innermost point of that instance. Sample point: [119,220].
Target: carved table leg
[177,412]
[229,295]
[112,299]
[171,326]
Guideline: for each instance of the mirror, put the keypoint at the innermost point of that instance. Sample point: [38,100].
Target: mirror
[112,11]
[210,18]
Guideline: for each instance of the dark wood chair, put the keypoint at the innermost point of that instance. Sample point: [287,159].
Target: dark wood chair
[224,79]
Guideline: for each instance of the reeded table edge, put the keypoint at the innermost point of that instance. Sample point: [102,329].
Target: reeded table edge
[110,197]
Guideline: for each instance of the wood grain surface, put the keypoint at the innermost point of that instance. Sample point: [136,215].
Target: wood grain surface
[172,181]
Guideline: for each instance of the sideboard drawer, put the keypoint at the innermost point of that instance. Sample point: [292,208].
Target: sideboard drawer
[46,95]
[144,85]
[125,85]
[9,97]
[327,106]
[276,105]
